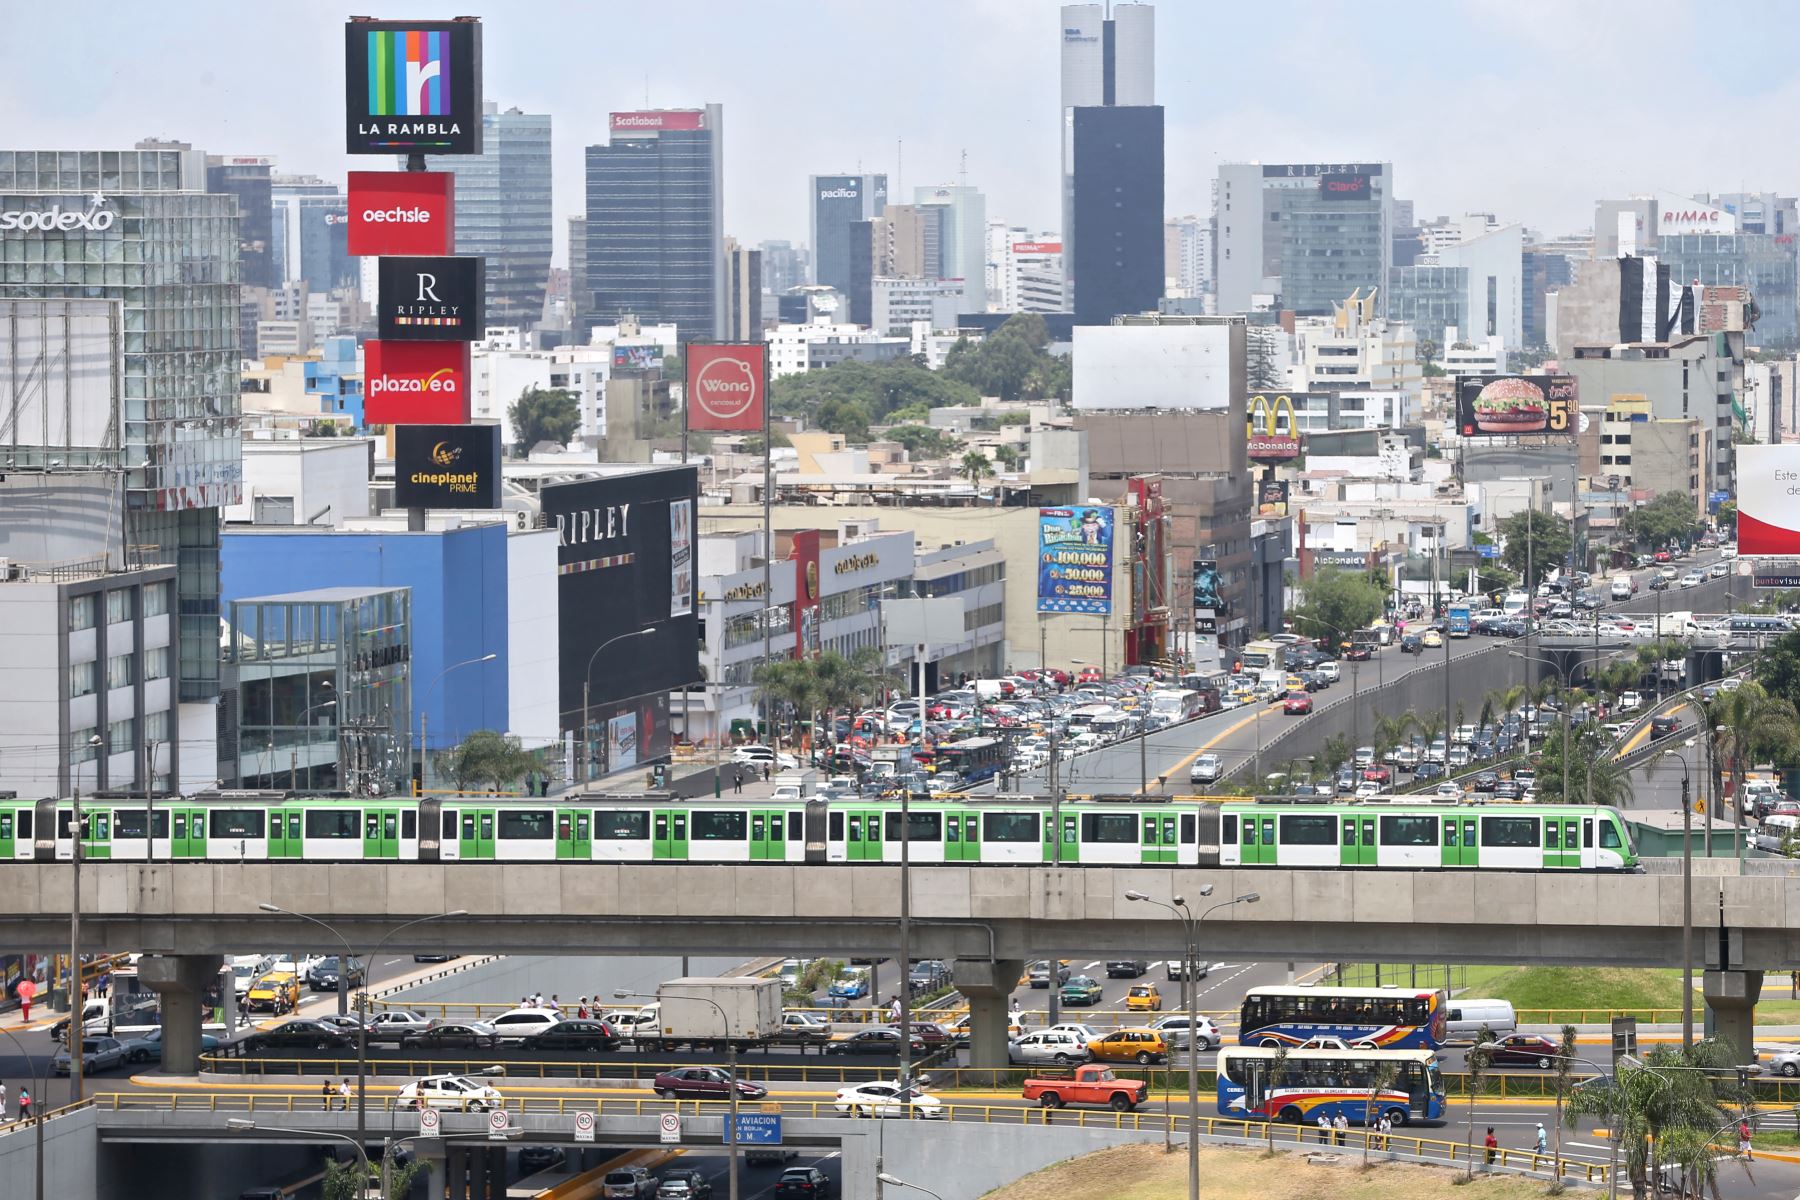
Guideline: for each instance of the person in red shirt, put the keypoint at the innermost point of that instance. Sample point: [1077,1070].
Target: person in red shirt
[1493,1145]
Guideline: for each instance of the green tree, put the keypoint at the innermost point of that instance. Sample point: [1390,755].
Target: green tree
[922,441]
[1588,752]
[878,389]
[1263,369]
[1758,726]
[1565,1073]
[1670,519]
[1335,603]
[543,415]
[1547,537]
[850,418]
[1335,752]
[1012,363]
[486,758]
[1391,730]
[1008,456]
[1777,668]
[754,443]
[973,467]
[1727,518]
[787,681]
[674,368]
[344,1180]
[1380,1080]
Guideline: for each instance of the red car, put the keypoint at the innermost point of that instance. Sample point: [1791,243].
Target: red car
[1378,774]
[1356,653]
[1089,675]
[1524,1050]
[1662,556]
[704,1083]
[1296,704]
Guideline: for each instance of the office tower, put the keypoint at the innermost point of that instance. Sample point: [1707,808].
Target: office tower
[962,230]
[1106,60]
[655,212]
[784,265]
[837,202]
[743,293]
[248,178]
[1258,208]
[578,293]
[909,241]
[1114,251]
[310,228]
[1187,256]
[503,211]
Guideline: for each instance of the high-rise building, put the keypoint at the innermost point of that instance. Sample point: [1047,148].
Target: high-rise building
[1030,273]
[656,220]
[1114,250]
[1107,59]
[310,234]
[578,293]
[909,241]
[249,178]
[1542,270]
[1763,262]
[503,211]
[784,265]
[962,230]
[1187,257]
[1258,208]
[836,202]
[743,293]
[148,236]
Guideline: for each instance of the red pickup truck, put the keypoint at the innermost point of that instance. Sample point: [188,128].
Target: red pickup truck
[1091,1084]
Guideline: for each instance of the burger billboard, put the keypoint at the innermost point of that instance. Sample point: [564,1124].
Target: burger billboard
[726,385]
[1514,405]
[1768,500]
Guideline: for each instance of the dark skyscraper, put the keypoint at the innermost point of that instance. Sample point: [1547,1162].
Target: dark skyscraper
[250,179]
[1108,58]
[1117,211]
[655,221]
[503,211]
[838,202]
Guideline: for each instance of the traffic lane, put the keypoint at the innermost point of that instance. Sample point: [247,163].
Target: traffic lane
[755,1182]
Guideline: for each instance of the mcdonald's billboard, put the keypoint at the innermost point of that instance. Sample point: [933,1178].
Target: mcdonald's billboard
[1271,443]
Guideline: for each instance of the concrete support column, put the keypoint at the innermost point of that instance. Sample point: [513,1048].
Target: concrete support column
[180,982]
[456,1171]
[1731,998]
[987,985]
[496,1173]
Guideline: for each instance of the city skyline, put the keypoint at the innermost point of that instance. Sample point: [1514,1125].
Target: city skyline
[1509,86]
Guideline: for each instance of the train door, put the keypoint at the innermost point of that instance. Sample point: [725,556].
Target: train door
[1460,849]
[1259,840]
[1562,845]
[8,832]
[190,832]
[574,834]
[962,837]
[477,834]
[1167,850]
[285,840]
[862,835]
[768,842]
[670,833]
[1357,845]
[381,834]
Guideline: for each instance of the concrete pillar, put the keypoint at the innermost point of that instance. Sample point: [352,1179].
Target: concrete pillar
[987,985]
[1731,999]
[180,982]
[496,1173]
[456,1171]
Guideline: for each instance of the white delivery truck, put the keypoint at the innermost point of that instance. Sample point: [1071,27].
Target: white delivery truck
[711,1011]
[1624,587]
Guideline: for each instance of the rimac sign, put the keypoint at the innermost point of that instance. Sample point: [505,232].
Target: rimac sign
[412,87]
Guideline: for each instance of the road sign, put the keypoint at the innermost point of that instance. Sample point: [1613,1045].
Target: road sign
[1775,573]
[759,1129]
[584,1126]
[498,1122]
[1487,551]
[670,1129]
[428,1121]
[1624,1039]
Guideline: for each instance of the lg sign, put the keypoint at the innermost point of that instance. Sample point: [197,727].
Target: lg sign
[725,386]
[401,212]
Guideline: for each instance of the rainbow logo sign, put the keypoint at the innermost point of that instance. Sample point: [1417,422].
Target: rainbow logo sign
[409,73]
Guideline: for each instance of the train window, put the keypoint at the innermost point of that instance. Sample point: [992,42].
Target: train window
[1587,833]
[25,816]
[621,825]
[1228,832]
[795,831]
[775,828]
[953,831]
[1149,831]
[1009,827]
[714,826]
[236,822]
[6,825]
[1609,836]
[1450,833]
[449,834]
[1349,831]
[373,825]
[1509,831]
[1309,831]
[1108,827]
[331,823]
[856,829]
[1188,827]
[1249,831]
[129,823]
[1068,829]
[1550,838]
[925,826]
[834,825]
[409,824]
[1409,831]
[532,824]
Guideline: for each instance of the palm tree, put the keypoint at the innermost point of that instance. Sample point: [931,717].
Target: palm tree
[1757,725]
[1380,1079]
[1565,1070]
[787,681]
[1391,731]
[974,466]
[1589,758]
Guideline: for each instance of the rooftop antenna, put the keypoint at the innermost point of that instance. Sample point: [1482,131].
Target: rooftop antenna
[646,89]
[962,173]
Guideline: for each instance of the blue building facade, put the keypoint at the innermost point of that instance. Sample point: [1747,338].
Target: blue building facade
[459,604]
[337,380]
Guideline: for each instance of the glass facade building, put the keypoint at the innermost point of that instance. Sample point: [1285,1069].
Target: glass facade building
[249,179]
[1116,260]
[324,681]
[310,234]
[137,226]
[1330,247]
[1762,262]
[1428,299]
[503,211]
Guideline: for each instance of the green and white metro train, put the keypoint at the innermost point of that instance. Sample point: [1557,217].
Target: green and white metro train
[996,830]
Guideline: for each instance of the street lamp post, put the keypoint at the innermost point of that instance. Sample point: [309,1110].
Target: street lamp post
[731,1065]
[1562,671]
[1687,898]
[425,705]
[1190,925]
[586,679]
[294,751]
[896,1181]
[246,1124]
[362,1024]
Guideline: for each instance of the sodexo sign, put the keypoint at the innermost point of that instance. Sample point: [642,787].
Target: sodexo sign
[97,219]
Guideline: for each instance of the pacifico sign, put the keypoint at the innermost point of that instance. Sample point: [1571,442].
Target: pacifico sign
[56,219]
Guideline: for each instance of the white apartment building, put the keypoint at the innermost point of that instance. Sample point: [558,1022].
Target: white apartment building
[1316,412]
[1187,257]
[1032,278]
[790,346]
[1354,350]
[1467,356]
[895,303]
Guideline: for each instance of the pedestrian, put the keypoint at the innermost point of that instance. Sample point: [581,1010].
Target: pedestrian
[1342,1125]
[1493,1145]
[2,1103]
[1386,1126]
[1743,1133]
[344,1091]
[101,984]
[581,1009]
[325,1094]
[26,991]
[24,1103]
[894,1010]
[1324,1130]
[1543,1139]
[737,782]
[556,1004]
[768,772]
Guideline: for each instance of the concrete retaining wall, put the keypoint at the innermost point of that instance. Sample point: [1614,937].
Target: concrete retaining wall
[71,1154]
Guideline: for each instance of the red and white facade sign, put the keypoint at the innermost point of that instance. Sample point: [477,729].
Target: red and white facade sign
[726,386]
[415,383]
[402,212]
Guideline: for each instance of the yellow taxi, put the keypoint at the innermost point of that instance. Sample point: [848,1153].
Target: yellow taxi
[1143,997]
[1431,638]
[1296,684]
[1130,1045]
[276,992]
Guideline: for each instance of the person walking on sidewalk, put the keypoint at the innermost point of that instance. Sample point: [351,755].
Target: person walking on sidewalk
[24,1103]
[1493,1145]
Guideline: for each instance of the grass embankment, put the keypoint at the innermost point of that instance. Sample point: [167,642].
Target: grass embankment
[1147,1173]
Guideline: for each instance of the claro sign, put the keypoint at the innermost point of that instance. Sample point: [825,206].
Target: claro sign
[726,385]
[96,218]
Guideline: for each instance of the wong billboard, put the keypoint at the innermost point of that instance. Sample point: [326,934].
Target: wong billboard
[1075,552]
[726,385]
[1768,500]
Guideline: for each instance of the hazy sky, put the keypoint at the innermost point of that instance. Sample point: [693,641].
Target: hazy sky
[1530,109]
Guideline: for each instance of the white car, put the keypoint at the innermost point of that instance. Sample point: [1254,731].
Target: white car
[1367,788]
[1174,1030]
[394,1023]
[1087,1033]
[1629,701]
[1449,790]
[519,1023]
[1692,579]
[455,1093]
[763,756]
[1329,670]
[1060,1047]
[888,1100]
[1720,569]
[631,1023]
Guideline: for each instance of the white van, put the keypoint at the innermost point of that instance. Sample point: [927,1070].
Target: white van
[1623,587]
[1463,1019]
[1772,831]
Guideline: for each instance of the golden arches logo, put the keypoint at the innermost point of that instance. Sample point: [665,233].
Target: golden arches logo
[1271,410]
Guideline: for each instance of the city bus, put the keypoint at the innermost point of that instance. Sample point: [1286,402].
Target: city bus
[1383,1018]
[972,759]
[1326,1083]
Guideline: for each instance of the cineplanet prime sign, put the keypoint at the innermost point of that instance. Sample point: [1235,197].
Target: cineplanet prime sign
[97,219]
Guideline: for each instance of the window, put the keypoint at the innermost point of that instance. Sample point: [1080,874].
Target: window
[1009,827]
[1609,836]
[156,599]
[236,822]
[130,822]
[332,823]
[81,679]
[717,826]
[156,727]
[120,671]
[1409,831]
[1509,831]
[1108,828]
[81,612]
[156,663]
[1309,831]
[409,824]
[621,826]
[530,825]
[1228,831]
[121,736]
[119,606]
[926,827]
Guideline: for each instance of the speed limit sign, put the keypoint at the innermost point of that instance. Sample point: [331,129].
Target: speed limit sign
[497,1122]
[584,1126]
[428,1121]
[671,1128]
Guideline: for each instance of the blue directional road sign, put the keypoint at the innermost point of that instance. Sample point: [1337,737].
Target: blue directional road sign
[759,1129]
[1487,551]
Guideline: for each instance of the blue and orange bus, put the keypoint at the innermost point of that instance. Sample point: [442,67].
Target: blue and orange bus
[1381,1018]
[1326,1083]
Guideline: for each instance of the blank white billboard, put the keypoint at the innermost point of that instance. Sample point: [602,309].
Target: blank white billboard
[1152,366]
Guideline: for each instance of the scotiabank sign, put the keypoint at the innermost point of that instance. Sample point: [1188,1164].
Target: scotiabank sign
[415,383]
[402,212]
[725,385]
[668,118]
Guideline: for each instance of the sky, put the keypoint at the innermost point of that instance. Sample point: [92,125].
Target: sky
[1529,109]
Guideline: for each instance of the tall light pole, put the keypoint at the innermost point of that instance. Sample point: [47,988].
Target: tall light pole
[586,678]
[362,1024]
[1190,925]
[294,752]
[730,1067]
[1687,897]
[245,1124]
[896,1181]
[425,705]
[77,1035]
